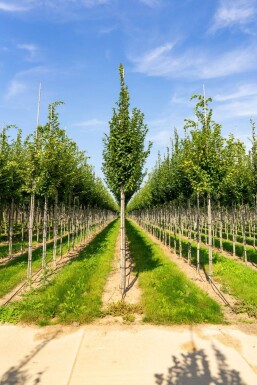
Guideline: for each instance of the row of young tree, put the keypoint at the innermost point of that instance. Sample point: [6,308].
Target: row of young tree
[201,173]
[202,162]
[45,180]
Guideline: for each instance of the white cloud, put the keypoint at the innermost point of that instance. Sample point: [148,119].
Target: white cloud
[16,87]
[27,5]
[22,81]
[240,102]
[34,72]
[91,123]
[7,7]
[161,138]
[245,90]
[92,3]
[151,3]
[233,12]
[31,49]
[67,3]
[178,99]
[108,30]
[197,63]
[245,108]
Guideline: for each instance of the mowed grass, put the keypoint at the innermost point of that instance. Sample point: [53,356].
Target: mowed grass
[19,246]
[74,295]
[239,248]
[168,296]
[14,272]
[236,278]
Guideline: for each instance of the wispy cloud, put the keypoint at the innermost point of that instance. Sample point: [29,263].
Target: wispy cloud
[108,30]
[238,108]
[93,123]
[161,138]
[27,5]
[12,7]
[242,91]
[151,3]
[16,87]
[22,81]
[198,63]
[234,12]
[240,102]
[92,3]
[31,49]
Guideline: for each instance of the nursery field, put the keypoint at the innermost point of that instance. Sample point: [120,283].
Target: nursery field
[73,290]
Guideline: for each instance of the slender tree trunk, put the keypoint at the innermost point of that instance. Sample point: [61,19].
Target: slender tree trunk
[31,221]
[11,220]
[38,221]
[122,242]
[254,221]
[61,230]
[55,227]
[1,219]
[243,232]
[189,234]
[44,234]
[198,234]
[180,234]
[220,227]
[5,222]
[233,231]
[210,235]
[73,226]
[22,227]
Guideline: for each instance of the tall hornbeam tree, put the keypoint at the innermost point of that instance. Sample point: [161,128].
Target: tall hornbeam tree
[124,157]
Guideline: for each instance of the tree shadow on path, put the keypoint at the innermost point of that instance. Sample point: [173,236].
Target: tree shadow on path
[17,375]
[194,369]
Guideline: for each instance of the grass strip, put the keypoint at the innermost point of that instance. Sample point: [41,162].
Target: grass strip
[75,292]
[15,271]
[18,245]
[169,297]
[236,279]
[228,246]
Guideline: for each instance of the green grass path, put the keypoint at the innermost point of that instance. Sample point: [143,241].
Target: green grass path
[168,296]
[236,278]
[75,292]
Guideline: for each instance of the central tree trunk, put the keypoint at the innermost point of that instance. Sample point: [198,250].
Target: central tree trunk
[122,242]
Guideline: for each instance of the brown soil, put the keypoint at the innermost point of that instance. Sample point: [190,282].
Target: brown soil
[113,294]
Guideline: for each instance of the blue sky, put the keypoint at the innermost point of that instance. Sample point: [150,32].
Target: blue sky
[169,49]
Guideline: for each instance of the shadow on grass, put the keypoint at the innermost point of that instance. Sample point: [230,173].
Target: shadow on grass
[143,254]
[98,243]
[194,369]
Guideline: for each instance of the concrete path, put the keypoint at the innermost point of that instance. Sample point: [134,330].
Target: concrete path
[127,355]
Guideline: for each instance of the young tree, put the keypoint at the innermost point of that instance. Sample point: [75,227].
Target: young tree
[124,156]
[203,158]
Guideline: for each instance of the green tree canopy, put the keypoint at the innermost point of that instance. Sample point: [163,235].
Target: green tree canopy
[124,152]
